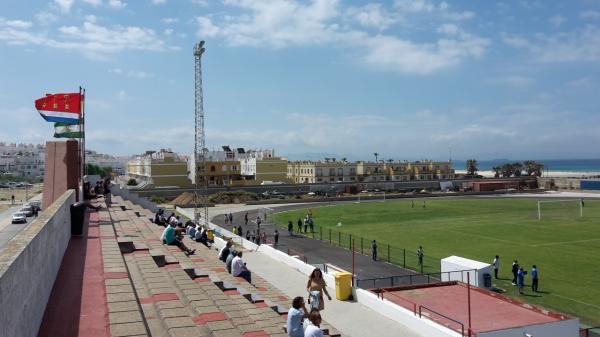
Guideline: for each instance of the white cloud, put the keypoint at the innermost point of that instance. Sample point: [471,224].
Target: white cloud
[90,38]
[416,6]
[514,81]
[45,18]
[557,20]
[168,31]
[475,131]
[91,18]
[372,15]
[116,4]
[64,5]
[94,3]
[201,3]
[583,82]
[514,40]
[159,2]
[276,24]
[169,21]
[16,24]
[590,14]
[131,73]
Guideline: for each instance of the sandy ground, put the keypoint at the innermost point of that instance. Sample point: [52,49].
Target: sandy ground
[19,193]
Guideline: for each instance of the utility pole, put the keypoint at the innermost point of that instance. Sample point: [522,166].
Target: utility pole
[199,140]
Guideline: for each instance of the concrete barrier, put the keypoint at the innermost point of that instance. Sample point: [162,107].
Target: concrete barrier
[124,193]
[29,265]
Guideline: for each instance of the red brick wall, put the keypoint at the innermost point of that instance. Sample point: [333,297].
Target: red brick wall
[62,170]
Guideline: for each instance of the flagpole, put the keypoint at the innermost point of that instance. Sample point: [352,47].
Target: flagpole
[81,143]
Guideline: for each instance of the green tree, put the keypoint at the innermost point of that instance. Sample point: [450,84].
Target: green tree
[472,167]
[497,171]
[376,156]
[507,170]
[517,169]
[131,182]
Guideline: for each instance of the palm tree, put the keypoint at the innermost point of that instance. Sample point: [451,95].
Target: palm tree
[390,160]
[376,155]
[539,168]
[517,169]
[507,170]
[333,159]
[327,159]
[497,170]
[472,167]
[344,159]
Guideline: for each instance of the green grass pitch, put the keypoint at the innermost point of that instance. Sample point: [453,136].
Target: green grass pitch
[565,247]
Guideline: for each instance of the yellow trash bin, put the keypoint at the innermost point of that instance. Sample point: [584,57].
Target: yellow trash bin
[343,286]
[210,236]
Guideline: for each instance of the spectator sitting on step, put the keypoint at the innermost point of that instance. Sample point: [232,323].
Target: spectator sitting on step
[296,315]
[171,237]
[313,329]
[190,229]
[225,251]
[238,268]
[201,235]
[229,259]
[158,218]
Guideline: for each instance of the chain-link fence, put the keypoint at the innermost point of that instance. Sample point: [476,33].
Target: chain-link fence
[405,258]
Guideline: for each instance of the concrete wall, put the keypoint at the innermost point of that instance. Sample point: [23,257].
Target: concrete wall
[62,170]
[568,328]
[28,267]
[124,193]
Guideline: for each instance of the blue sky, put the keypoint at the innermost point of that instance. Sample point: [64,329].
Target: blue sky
[407,79]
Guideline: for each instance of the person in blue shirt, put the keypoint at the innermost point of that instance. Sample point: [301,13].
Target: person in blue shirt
[534,279]
[171,237]
[296,315]
[521,279]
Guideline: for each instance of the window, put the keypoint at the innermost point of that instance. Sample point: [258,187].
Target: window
[319,172]
[340,171]
[331,171]
[212,168]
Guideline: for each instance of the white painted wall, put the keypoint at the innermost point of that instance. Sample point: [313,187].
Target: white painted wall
[454,269]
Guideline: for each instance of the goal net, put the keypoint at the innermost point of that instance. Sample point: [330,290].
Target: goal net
[559,209]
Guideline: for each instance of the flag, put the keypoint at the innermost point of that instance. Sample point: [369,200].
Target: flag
[60,108]
[62,130]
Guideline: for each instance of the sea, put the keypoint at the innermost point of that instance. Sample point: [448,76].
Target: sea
[563,166]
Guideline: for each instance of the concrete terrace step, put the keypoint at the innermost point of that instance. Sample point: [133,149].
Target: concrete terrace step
[195,289]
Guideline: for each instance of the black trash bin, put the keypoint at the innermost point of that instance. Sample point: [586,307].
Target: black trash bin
[487,280]
[77,218]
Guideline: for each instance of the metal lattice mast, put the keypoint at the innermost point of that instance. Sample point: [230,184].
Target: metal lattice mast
[199,141]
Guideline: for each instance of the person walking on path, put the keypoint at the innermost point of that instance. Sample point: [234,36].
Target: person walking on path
[299,225]
[295,316]
[496,265]
[306,224]
[240,232]
[374,250]
[106,191]
[316,286]
[246,219]
[521,279]
[226,219]
[248,234]
[12,199]
[276,237]
[534,279]
[290,228]
[515,271]
[230,217]
[311,225]
[420,256]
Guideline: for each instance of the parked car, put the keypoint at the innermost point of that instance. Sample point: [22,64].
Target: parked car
[27,210]
[19,217]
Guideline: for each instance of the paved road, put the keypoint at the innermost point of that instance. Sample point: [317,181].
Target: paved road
[8,230]
[316,251]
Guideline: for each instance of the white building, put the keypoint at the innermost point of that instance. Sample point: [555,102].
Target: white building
[117,164]
[24,160]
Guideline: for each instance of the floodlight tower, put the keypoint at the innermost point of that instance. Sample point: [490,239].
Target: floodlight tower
[199,141]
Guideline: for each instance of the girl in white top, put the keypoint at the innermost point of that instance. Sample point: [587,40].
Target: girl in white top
[313,329]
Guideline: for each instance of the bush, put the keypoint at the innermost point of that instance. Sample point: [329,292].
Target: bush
[131,182]
[157,200]
[232,197]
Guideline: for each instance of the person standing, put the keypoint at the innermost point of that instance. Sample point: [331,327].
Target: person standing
[234,230]
[276,237]
[311,224]
[299,225]
[515,271]
[420,254]
[521,279]
[290,228]
[226,219]
[12,199]
[248,234]
[306,224]
[231,218]
[246,219]
[295,316]
[316,286]
[496,265]
[534,279]
[374,250]
[240,232]
[106,191]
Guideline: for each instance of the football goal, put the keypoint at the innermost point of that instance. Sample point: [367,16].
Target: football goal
[560,208]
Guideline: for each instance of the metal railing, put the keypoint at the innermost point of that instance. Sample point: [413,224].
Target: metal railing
[462,326]
[397,297]
[411,279]
[402,257]
[590,332]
